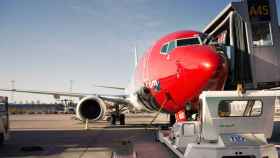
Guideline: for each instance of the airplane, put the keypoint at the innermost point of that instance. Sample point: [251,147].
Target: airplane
[168,78]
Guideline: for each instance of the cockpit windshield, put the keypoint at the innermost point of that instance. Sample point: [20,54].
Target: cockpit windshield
[188,41]
[168,47]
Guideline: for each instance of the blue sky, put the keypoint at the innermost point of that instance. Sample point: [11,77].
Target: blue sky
[45,44]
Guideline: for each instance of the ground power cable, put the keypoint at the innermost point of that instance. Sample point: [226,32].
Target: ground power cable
[150,125]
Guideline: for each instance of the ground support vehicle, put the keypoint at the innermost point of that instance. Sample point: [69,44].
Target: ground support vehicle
[230,125]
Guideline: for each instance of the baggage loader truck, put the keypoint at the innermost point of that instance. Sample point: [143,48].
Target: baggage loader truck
[229,125]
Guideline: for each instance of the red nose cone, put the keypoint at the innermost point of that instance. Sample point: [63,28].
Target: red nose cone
[209,62]
[196,66]
[197,63]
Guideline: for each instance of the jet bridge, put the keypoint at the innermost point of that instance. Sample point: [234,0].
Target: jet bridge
[248,33]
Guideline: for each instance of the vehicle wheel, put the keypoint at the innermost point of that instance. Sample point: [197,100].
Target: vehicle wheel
[122,119]
[172,119]
[113,119]
[1,138]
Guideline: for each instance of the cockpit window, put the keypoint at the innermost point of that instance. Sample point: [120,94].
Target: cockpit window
[164,48]
[171,46]
[187,42]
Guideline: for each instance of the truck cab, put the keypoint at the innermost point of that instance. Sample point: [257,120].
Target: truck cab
[230,125]
[4,119]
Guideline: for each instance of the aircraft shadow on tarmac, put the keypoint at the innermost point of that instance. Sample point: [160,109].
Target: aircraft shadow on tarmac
[59,142]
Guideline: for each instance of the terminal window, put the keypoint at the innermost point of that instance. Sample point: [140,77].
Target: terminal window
[261,33]
[240,108]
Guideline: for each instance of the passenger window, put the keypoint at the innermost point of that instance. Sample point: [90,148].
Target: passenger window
[164,49]
[171,46]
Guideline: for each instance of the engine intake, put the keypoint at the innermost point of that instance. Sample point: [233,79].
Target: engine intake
[91,108]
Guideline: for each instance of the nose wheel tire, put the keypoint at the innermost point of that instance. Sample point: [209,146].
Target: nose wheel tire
[117,116]
[114,118]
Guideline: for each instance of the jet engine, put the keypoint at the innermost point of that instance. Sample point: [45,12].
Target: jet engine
[91,108]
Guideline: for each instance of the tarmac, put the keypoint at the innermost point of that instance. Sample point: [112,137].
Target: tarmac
[62,136]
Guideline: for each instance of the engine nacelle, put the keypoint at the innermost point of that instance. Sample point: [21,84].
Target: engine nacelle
[91,108]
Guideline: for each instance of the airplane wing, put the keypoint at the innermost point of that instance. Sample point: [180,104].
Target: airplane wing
[110,87]
[113,98]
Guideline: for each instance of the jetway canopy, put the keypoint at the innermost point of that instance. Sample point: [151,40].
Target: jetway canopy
[251,28]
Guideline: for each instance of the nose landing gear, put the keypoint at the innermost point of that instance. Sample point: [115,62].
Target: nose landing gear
[117,116]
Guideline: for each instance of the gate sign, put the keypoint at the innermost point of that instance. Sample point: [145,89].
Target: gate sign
[259,10]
